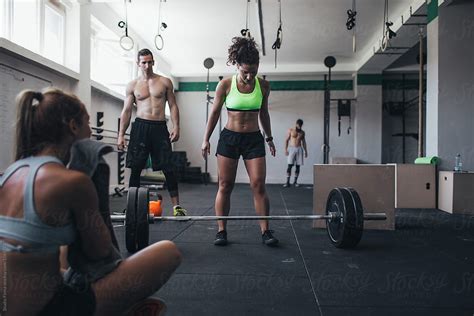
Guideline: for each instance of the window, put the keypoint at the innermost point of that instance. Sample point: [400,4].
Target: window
[110,65]
[38,25]
[3,18]
[53,37]
[25,26]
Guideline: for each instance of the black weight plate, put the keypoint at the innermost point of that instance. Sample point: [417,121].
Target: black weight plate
[354,219]
[131,220]
[143,199]
[359,210]
[335,227]
[346,230]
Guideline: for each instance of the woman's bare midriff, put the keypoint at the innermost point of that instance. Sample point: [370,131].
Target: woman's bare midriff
[242,122]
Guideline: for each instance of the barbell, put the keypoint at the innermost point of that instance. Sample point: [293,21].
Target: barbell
[100,130]
[344,218]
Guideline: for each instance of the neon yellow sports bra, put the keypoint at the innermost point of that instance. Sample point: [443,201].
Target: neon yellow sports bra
[237,101]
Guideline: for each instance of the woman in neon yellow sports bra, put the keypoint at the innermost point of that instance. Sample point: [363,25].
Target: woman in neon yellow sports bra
[246,99]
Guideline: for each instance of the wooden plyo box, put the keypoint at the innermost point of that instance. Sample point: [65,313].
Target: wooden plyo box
[374,183]
[415,186]
[456,192]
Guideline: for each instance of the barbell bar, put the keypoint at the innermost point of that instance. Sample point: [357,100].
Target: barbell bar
[106,136]
[105,130]
[330,216]
[344,218]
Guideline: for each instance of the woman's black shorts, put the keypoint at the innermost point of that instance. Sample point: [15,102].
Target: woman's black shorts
[233,144]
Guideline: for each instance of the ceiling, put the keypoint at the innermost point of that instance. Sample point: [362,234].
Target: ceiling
[312,30]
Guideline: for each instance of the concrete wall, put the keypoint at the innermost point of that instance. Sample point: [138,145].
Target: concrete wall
[368,124]
[16,75]
[456,84]
[432,90]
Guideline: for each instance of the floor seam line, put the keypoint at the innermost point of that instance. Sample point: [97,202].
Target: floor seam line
[191,224]
[302,257]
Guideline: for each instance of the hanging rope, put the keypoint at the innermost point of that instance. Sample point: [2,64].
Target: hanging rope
[384,26]
[351,23]
[246,31]
[159,42]
[279,38]
[126,42]
[351,14]
[387,32]
[126,17]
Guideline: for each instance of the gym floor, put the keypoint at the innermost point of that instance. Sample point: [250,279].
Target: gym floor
[424,267]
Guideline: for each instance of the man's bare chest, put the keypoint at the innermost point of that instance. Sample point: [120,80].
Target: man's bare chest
[296,135]
[144,91]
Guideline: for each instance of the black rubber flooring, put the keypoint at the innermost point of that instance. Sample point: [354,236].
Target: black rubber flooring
[424,267]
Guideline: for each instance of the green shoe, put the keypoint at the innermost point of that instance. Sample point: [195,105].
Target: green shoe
[179,211]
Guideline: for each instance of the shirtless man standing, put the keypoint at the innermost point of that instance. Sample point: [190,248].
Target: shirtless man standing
[149,135]
[297,143]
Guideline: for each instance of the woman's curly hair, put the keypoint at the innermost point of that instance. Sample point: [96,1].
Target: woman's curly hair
[243,51]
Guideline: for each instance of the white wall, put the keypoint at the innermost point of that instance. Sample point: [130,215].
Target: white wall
[110,19]
[58,80]
[450,85]
[368,124]
[16,75]
[456,85]
[432,89]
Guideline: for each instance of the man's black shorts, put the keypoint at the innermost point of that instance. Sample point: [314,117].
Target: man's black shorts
[233,144]
[149,138]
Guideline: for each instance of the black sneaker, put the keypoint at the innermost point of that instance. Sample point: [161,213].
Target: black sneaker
[286,185]
[221,238]
[268,239]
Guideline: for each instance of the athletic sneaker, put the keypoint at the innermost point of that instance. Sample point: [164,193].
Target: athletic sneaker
[179,211]
[297,185]
[221,238]
[286,185]
[268,239]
